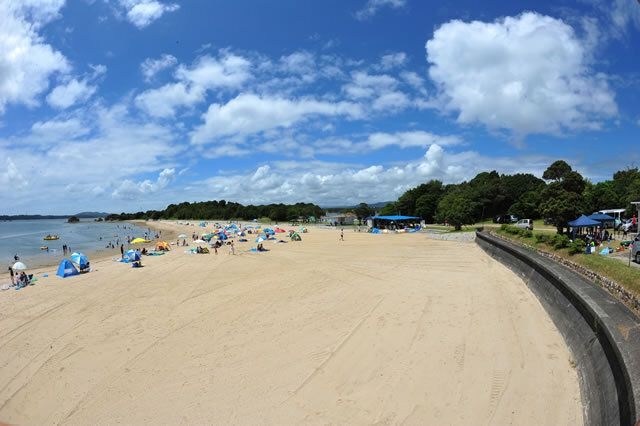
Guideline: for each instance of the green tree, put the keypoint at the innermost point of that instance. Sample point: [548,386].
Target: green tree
[389,209]
[456,208]
[363,210]
[563,200]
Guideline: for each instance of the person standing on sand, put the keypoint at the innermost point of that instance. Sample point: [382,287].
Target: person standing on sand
[232,248]
[122,250]
[342,234]
[11,273]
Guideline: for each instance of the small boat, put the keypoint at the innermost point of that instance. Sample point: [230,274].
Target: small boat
[44,248]
[51,237]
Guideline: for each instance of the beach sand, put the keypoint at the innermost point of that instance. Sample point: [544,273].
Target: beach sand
[382,329]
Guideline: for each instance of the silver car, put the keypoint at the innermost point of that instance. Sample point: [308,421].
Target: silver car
[635,248]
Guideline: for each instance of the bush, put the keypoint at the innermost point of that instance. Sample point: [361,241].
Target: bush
[560,241]
[578,246]
[542,238]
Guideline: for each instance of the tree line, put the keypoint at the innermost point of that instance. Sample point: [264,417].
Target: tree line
[561,195]
[223,210]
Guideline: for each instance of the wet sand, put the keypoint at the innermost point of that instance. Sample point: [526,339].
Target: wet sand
[374,329]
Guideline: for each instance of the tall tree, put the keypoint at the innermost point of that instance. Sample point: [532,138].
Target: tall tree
[563,200]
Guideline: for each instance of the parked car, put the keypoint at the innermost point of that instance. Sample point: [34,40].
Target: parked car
[628,226]
[635,249]
[549,221]
[505,218]
[525,224]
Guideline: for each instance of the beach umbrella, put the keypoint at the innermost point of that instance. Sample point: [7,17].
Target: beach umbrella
[139,241]
[133,255]
[260,239]
[19,266]
[79,259]
[199,242]
[182,236]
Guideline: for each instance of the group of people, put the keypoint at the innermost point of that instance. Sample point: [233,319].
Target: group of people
[22,279]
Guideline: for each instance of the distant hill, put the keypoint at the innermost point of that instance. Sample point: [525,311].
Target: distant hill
[86,215]
[83,215]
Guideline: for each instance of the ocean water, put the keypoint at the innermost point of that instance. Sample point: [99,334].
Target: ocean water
[25,237]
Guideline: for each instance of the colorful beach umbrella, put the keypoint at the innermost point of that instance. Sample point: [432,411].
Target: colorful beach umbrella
[79,259]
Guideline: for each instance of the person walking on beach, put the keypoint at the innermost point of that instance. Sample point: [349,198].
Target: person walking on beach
[342,234]
[232,248]
[11,273]
[122,250]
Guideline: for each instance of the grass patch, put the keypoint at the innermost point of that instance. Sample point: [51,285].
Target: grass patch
[560,245]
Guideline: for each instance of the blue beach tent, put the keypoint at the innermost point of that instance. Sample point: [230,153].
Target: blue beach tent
[66,269]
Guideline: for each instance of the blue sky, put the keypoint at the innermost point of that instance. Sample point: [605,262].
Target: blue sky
[129,105]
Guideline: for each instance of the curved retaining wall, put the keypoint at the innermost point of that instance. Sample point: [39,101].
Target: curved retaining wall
[602,334]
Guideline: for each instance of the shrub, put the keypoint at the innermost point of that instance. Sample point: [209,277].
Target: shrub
[577,246]
[542,238]
[560,241]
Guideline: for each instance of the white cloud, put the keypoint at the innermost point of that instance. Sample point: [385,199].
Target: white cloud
[393,60]
[410,139]
[298,63]
[142,13]
[11,177]
[228,71]
[27,62]
[55,130]
[367,86]
[150,67]
[249,113]
[372,7]
[207,73]
[527,74]
[624,14]
[66,95]
[130,190]
[91,162]
[163,102]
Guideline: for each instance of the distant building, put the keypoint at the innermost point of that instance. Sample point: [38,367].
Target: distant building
[339,219]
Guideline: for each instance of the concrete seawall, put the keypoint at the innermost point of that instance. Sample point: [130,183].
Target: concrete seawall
[602,333]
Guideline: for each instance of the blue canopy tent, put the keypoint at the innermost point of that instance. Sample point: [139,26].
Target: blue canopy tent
[584,222]
[602,218]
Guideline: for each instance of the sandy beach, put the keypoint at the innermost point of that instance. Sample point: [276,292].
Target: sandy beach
[384,329]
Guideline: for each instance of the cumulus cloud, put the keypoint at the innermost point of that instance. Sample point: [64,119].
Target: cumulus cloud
[229,71]
[373,6]
[380,91]
[327,183]
[90,155]
[150,67]
[393,60]
[142,13]
[249,114]
[410,139]
[131,190]
[55,130]
[163,102]
[66,95]
[11,177]
[27,62]
[526,74]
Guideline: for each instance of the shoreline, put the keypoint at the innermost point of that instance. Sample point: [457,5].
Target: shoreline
[96,256]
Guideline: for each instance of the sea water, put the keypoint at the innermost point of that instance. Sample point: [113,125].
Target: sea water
[26,237]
